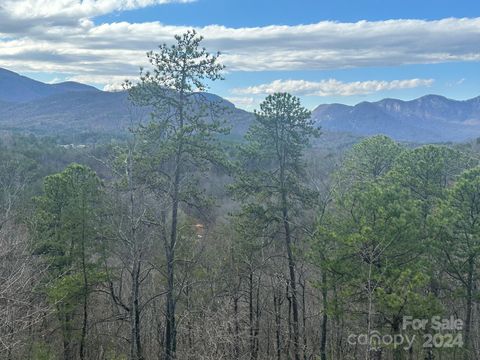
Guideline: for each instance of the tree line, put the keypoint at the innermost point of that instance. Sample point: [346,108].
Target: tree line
[175,244]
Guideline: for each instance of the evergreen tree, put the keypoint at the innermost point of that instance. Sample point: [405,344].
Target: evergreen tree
[179,143]
[457,223]
[67,226]
[271,182]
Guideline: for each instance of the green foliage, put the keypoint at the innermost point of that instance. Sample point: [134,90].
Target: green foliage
[182,136]
[369,160]
[182,67]
[456,225]
[373,232]
[427,171]
[70,287]
[66,216]
[67,225]
[400,228]
[402,292]
[272,160]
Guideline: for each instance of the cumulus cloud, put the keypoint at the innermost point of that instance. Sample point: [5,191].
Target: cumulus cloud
[331,87]
[62,37]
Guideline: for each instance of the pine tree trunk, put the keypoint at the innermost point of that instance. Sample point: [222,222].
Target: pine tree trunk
[67,337]
[398,352]
[136,343]
[170,310]
[85,290]
[468,316]
[236,345]
[323,339]
[293,280]
[170,332]
[278,324]
[304,323]
[251,317]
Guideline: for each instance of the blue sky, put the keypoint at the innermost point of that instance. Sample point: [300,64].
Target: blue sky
[323,51]
[249,13]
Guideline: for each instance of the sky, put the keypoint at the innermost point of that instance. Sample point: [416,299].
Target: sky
[335,51]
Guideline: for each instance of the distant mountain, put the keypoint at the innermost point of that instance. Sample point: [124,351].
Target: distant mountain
[21,89]
[67,108]
[71,108]
[431,118]
[92,111]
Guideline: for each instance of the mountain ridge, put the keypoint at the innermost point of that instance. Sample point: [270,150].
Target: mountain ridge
[430,118]
[17,88]
[69,107]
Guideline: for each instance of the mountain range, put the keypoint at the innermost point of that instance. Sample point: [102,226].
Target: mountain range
[21,89]
[66,108]
[69,107]
[431,118]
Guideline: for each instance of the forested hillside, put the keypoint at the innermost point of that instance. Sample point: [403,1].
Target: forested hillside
[428,119]
[81,113]
[177,241]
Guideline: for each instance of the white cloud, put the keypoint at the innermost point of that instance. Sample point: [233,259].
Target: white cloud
[331,87]
[61,37]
